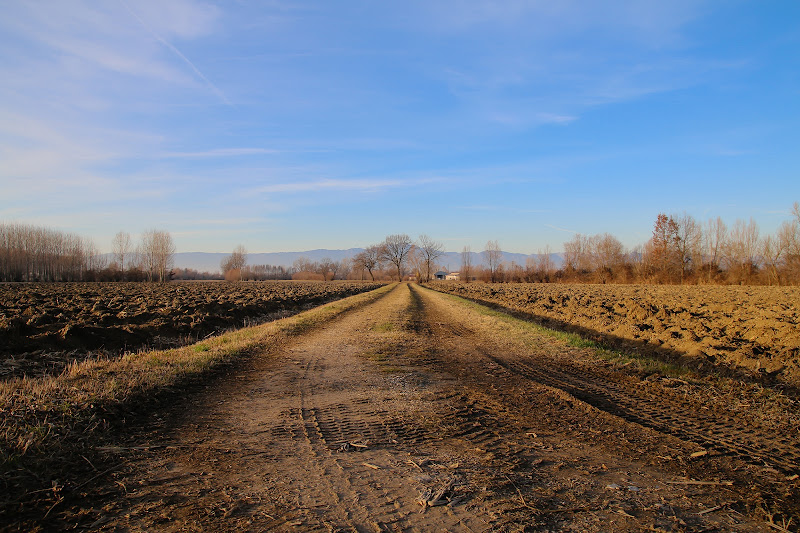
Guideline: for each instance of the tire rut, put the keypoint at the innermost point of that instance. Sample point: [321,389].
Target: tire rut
[351,426]
[755,445]
[656,409]
[499,412]
[348,433]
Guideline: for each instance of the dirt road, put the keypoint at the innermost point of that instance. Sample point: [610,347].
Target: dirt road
[420,413]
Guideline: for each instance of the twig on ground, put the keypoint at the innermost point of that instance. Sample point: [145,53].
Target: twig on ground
[695,482]
[104,472]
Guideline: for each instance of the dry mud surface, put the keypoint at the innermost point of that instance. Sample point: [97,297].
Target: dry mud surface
[753,328]
[45,326]
[420,413]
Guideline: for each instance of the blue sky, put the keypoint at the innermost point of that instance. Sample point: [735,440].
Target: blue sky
[293,125]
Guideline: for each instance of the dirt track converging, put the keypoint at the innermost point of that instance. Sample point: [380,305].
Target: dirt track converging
[418,413]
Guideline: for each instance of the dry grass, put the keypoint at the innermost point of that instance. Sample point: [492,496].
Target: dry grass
[46,422]
[641,362]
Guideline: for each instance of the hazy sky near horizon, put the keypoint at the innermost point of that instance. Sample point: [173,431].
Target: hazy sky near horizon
[293,125]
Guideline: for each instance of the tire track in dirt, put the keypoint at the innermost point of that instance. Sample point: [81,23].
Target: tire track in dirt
[350,426]
[756,445]
[657,408]
[632,400]
[319,440]
[561,478]
[341,426]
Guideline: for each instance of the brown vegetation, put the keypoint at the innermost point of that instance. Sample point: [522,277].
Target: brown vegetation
[33,253]
[753,329]
[233,266]
[682,251]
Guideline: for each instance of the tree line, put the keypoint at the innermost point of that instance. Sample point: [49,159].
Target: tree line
[32,253]
[680,250]
[396,257]
[35,253]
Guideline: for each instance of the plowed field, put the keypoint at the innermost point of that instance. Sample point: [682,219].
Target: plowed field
[419,412]
[754,329]
[45,326]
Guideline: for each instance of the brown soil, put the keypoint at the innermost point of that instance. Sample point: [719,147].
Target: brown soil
[46,326]
[753,329]
[417,413]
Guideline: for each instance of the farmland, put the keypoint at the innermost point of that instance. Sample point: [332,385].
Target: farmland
[397,409]
[45,326]
[754,329]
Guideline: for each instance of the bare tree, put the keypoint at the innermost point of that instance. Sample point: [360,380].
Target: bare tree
[689,243]
[303,264]
[429,251]
[369,259]
[95,262]
[233,265]
[121,247]
[578,253]
[540,266]
[326,267]
[344,269]
[772,252]
[415,264]
[396,249]
[609,255]
[158,254]
[493,256]
[714,238]
[665,247]
[466,263]
[741,251]
[788,237]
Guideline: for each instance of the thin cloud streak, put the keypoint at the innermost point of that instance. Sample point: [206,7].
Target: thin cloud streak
[177,52]
[223,152]
[501,208]
[327,185]
[561,229]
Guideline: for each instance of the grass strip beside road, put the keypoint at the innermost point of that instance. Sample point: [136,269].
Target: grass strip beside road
[44,420]
[640,362]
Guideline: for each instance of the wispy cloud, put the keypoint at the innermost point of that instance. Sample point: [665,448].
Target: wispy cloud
[362,185]
[503,208]
[471,111]
[561,229]
[223,152]
[178,53]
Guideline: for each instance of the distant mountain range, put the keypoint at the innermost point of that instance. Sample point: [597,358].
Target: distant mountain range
[451,261]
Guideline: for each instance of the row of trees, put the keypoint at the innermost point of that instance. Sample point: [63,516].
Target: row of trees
[235,268]
[684,250]
[401,255]
[394,258]
[34,253]
[151,259]
[681,250]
